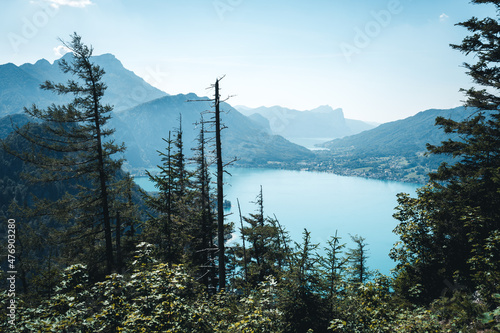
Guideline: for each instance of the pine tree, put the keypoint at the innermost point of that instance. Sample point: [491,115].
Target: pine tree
[223,229]
[460,207]
[172,226]
[333,265]
[127,216]
[301,296]
[159,228]
[264,253]
[70,144]
[357,257]
[418,254]
[204,225]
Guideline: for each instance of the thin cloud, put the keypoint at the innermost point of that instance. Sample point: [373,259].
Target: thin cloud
[70,3]
[61,50]
[443,17]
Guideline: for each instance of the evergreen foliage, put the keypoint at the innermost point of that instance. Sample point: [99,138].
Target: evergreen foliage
[449,233]
[358,269]
[264,254]
[183,225]
[171,203]
[68,147]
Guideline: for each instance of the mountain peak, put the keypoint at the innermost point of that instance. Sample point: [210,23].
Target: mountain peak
[21,85]
[321,123]
[9,66]
[42,63]
[104,58]
[107,56]
[327,109]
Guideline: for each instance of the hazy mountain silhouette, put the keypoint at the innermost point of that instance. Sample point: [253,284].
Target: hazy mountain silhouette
[143,115]
[401,137]
[20,85]
[320,124]
[143,127]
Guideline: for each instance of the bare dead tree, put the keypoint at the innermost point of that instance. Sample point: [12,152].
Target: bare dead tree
[217,126]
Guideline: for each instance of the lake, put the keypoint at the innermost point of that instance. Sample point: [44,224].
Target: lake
[322,203]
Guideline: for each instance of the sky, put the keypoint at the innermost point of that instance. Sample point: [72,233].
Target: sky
[378,60]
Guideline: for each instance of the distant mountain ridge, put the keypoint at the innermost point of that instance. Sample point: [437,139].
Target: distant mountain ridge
[20,85]
[142,115]
[322,123]
[394,150]
[405,136]
[143,127]
[390,151]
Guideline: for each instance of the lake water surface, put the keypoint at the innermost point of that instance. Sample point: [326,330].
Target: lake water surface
[322,203]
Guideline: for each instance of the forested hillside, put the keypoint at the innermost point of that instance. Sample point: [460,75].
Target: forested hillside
[395,150]
[143,115]
[143,127]
[402,137]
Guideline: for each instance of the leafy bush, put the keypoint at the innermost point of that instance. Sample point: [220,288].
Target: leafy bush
[156,297]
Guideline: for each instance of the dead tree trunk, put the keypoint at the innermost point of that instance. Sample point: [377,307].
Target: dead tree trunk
[220,191]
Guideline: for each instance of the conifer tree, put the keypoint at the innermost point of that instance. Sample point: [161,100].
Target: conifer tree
[357,257]
[264,253]
[159,229]
[460,232]
[182,175]
[70,143]
[223,229]
[301,301]
[172,226]
[127,218]
[204,225]
[333,265]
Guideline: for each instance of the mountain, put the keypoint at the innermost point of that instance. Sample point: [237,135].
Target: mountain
[18,89]
[7,123]
[142,115]
[143,127]
[402,137]
[358,126]
[393,150]
[20,85]
[16,188]
[304,127]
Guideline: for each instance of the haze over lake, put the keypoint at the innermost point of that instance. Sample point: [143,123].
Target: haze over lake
[322,203]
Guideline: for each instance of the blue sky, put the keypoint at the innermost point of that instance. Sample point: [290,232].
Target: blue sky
[379,60]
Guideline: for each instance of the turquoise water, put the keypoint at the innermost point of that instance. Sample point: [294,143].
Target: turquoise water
[322,203]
